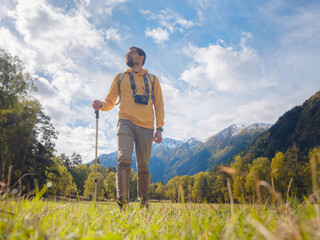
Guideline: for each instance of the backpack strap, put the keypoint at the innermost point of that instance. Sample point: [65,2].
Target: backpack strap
[120,77]
[152,79]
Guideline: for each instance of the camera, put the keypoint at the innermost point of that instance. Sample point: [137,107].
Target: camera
[142,99]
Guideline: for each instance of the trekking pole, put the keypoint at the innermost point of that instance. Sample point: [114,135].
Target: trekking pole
[96,158]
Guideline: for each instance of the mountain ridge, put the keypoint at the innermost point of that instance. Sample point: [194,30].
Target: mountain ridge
[175,157]
[216,149]
[298,127]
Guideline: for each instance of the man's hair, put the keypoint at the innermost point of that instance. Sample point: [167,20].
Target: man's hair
[141,53]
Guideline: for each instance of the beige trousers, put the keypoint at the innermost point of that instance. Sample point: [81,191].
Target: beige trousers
[128,135]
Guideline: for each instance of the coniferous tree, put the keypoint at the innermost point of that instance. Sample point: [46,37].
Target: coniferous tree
[295,163]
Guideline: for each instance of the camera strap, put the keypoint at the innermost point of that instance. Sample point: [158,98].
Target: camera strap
[120,78]
[133,85]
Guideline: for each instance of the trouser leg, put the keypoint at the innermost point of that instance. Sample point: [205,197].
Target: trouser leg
[144,139]
[125,142]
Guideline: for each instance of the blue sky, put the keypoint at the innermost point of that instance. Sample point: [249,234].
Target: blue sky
[219,62]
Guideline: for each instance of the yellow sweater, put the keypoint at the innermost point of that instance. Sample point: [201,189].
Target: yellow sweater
[139,114]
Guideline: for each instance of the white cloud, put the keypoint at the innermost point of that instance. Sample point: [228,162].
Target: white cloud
[97,9]
[17,47]
[159,35]
[46,88]
[62,47]
[75,51]
[195,112]
[109,3]
[260,111]
[168,20]
[50,31]
[266,110]
[202,3]
[225,68]
[80,140]
[145,12]
[300,27]
[113,34]
[5,6]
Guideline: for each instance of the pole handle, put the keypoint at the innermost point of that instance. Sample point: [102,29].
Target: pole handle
[97,113]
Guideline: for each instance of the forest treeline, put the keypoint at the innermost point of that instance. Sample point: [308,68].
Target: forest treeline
[27,153]
[288,173]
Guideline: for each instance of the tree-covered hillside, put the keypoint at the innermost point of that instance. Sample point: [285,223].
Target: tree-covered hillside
[298,128]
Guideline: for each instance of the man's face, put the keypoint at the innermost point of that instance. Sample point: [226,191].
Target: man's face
[132,58]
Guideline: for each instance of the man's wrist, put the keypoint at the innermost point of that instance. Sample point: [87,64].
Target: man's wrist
[160,128]
[101,104]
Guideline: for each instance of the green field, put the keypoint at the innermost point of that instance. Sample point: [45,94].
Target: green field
[34,219]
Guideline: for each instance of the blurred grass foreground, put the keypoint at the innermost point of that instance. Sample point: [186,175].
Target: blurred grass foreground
[43,219]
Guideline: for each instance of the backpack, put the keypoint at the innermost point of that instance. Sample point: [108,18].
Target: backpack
[121,76]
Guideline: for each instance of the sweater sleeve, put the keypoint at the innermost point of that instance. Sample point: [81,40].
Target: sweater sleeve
[112,96]
[158,103]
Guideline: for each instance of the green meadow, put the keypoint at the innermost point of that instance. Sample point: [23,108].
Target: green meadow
[271,191]
[44,219]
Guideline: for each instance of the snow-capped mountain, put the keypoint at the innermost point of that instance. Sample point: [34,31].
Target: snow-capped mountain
[168,143]
[235,130]
[193,142]
[173,157]
[214,151]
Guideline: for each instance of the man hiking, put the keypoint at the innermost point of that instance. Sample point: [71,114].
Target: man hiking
[140,99]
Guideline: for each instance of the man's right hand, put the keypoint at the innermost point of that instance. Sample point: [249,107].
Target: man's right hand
[96,104]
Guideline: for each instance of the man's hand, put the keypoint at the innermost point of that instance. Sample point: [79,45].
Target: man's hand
[96,104]
[158,136]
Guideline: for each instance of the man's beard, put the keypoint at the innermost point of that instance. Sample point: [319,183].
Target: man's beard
[130,63]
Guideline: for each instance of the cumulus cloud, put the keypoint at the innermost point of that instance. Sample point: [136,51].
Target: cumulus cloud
[113,34]
[159,35]
[45,88]
[6,5]
[194,112]
[224,68]
[75,48]
[169,22]
[81,140]
[17,47]
[202,109]
[50,31]
[61,47]
[108,3]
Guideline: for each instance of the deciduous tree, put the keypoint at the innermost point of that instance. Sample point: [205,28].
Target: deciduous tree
[62,183]
[110,185]
[89,186]
[26,134]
